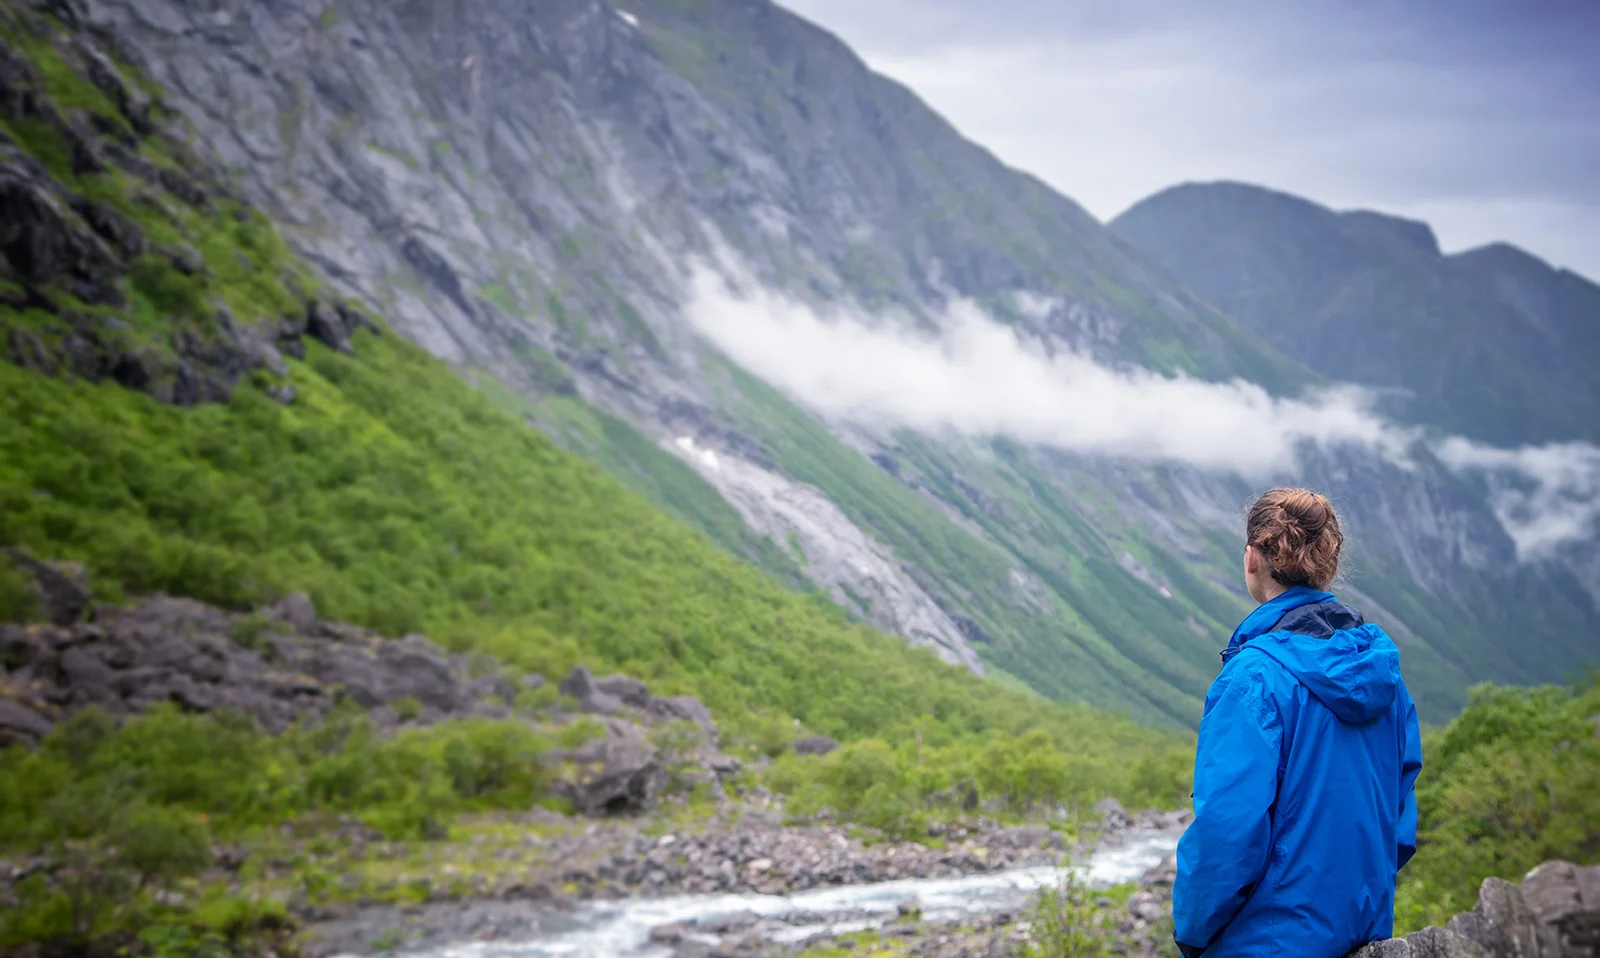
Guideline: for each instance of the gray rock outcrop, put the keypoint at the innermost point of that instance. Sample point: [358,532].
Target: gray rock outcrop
[1555,913]
[619,774]
[1567,898]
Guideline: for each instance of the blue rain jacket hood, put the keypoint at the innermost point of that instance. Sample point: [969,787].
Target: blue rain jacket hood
[1304,806]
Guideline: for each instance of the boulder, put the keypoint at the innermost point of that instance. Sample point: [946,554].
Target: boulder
[629,690]
[683,708]
[1116,817]
[62,588]
[20,724]
[1427,943]
[578,684]
[814,745]
[1567,898]
[1165,873]
[581,685]
[616,775]
[325,323]
[415,668]
[1503,924]
[1146,906]
[296,611]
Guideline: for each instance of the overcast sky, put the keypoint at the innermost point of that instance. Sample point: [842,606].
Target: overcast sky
[1480,116]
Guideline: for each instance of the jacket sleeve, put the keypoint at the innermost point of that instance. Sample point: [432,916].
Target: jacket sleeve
[1224,852]
[1410,765]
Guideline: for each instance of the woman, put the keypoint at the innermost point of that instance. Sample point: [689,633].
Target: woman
[1308,752]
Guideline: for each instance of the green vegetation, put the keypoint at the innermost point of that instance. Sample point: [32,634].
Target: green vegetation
[1514,781]
[129,813]
[402,499]
[898,788]
[18,603]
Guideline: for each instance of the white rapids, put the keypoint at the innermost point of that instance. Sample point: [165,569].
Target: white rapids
[621,929]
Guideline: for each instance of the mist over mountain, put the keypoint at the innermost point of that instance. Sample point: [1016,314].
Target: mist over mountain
[702,240]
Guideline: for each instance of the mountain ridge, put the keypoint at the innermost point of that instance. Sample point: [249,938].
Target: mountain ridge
[1373,296]
[517,192]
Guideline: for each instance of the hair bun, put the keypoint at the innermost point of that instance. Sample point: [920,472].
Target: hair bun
[1297,533]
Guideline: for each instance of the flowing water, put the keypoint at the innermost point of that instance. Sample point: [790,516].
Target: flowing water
[622,929]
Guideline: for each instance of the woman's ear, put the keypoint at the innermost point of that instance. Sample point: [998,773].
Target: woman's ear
[1252,561]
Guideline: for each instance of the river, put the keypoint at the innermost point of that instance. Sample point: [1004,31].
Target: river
[622,929]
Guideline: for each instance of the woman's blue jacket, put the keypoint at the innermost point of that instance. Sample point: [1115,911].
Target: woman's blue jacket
[1303,788]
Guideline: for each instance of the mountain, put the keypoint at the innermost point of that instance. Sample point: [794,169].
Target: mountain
[189,410]
[520,190]
[1491,343]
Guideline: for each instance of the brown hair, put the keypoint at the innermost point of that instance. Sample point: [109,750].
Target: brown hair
[1297,532]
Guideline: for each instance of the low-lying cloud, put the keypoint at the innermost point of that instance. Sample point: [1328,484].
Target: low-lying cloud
[977,377]
[1542,495]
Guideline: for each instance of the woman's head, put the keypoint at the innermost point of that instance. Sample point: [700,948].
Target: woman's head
[1292,538]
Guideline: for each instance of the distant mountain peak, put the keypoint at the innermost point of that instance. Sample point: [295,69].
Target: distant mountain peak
[1493,343]
[1504,257]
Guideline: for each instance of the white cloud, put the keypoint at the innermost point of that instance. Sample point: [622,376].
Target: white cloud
[977,377]
[1543,495]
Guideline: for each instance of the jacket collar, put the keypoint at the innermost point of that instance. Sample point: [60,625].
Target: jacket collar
[1267,614]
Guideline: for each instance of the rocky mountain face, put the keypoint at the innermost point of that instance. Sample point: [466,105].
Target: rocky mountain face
[521,187]
[1491,343]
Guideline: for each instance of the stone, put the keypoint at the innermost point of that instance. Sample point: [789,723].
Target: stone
[629,690]
[20,725]
[1116,817]
[578,684]
[683,708]
[1164,873]
[296,611]
[62,588]
[1567,898]
[1146,906]
[814,745]
[1503,924]
[415,668]
[324,323]
[617,776]
[1427,943]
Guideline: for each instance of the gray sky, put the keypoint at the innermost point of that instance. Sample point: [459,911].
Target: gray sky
[1481,117]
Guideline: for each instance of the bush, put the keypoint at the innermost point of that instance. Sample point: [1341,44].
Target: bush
[1067,923]
[18,601]
[1512,782]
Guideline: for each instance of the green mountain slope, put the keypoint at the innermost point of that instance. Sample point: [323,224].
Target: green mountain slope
[1492,343]
[143,437]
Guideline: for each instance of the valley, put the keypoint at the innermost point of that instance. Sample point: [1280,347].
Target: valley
[391,527]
